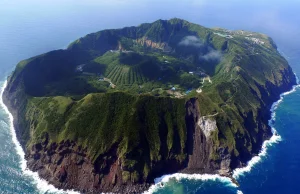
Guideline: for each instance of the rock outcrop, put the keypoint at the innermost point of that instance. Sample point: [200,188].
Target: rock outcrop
[68,166]
[154,45]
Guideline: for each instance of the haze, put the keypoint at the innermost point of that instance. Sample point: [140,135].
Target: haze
[51,22]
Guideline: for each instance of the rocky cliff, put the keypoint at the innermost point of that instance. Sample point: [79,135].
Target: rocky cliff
[68,165]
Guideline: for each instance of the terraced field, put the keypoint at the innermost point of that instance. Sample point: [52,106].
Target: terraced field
[125,75]
[141,72]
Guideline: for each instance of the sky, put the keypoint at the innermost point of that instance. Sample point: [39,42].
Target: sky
[56,23]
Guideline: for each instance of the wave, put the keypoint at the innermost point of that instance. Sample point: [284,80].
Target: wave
[159,182]
[42,185]
[268,143]
[256,159]
[45,187]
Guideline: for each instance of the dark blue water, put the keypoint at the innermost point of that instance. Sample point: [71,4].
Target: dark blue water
[32,27]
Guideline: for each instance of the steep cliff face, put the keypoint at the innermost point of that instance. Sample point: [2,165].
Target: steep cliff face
[80,133]
[16,100]
[199,142]
[67,165]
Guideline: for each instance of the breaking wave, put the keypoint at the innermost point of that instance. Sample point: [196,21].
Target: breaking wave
[159,182]
[42,185]
[268,143]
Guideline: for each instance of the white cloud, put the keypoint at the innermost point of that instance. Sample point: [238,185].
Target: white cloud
[212,55]
[191,41]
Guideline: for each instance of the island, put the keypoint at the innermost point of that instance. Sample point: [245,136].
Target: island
[119,108]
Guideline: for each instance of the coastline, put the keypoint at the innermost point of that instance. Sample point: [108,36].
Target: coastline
[275,138]
[41,184]
[159,182]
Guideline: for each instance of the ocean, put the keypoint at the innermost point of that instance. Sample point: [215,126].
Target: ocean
[32,27]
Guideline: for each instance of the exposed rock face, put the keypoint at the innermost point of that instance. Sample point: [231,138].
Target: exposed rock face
[199,146]
[207,125]
[154,45]
[67,166]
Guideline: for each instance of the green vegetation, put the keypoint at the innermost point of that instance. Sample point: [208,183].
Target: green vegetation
[129,88]
[110,118]
[99,121]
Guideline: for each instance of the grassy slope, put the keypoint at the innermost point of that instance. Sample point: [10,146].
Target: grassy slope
[100,121]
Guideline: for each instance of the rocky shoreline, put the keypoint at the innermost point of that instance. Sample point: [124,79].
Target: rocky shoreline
[67,166]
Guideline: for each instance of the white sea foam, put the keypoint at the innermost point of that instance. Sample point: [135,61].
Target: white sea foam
[256,159]
[160,182]
[41,184]
[274,139]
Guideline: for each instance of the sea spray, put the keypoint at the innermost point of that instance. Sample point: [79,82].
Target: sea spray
[45,187]
[256,159]
[159,182]
[42,185]
[268,143]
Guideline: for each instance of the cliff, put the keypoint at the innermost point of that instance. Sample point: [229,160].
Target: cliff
[119,108]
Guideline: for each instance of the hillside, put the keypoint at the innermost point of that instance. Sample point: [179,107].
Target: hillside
[120,107]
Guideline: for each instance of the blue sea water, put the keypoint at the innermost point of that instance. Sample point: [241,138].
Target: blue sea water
[32,27]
